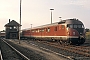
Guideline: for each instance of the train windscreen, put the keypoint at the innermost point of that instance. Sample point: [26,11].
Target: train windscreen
[75,26]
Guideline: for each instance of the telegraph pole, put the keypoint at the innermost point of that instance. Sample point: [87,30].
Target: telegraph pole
[20,22]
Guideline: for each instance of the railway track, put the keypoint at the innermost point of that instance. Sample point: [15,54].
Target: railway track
[22,56]
[75,49]
[42,48]
[1,55]
[79,52]
[26,50]
[71,49]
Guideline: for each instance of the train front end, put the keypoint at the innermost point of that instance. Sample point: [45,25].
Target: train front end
[75,32]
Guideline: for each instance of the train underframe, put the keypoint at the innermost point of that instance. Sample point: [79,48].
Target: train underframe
[61,40]
[76,41]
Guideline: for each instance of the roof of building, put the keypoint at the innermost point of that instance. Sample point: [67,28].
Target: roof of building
[13,23]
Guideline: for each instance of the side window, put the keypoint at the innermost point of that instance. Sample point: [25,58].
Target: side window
[38,30]
[48,30]
[43,30]
[10,27]
[15,27]
[32,30]
[55,28]
[62,26]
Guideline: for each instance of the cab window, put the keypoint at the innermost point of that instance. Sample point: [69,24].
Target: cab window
[75,26]
[70,26]
[79,26]
[82,26]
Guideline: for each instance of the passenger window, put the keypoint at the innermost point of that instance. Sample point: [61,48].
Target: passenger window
[62,26]
[43,30]
[48,30]
[32,30]
[55,28]
[38,30]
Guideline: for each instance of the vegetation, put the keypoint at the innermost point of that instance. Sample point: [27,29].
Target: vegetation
[87,34]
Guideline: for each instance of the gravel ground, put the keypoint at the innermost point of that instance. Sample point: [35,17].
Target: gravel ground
[70,54]
[87,43]
[8,53]
[35,53]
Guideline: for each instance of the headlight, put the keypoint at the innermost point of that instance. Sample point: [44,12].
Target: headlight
[80,33]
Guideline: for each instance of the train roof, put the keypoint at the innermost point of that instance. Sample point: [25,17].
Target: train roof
[56,23]
[67,21]
[73,21]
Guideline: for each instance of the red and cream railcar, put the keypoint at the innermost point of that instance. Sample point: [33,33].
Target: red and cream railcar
[70,30]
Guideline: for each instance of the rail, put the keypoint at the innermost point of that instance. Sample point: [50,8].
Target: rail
[1,55]
[18,52]
[83,52]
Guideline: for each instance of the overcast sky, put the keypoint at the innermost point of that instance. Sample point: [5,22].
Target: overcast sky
[37,12]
